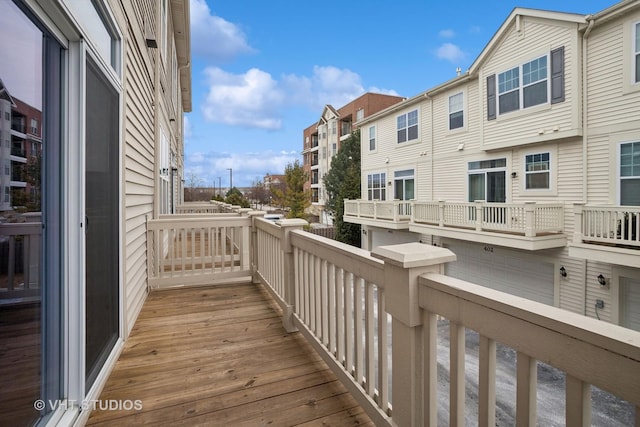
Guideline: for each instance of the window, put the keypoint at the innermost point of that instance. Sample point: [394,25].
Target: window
[456,111]
[360,114]
[487,180]
[376,186]
[636,51]
[537,171]
[7,115]
[34,126]
[372,138]
[534,86]
[334,128]
[630,174]
[334,149]
[404,185]
[407,126]
[527,85]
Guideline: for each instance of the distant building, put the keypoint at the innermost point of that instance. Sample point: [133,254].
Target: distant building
[20,140]
[322,141]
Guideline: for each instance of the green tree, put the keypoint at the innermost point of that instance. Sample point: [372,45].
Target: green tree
[343,182]
[235,197]
[294,195]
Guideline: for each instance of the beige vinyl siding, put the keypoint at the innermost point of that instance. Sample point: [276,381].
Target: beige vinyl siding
[595,291]
[608,106]
[446,141]
[524,125]
[138,166]
[571,288]
[598,163]
[570,180]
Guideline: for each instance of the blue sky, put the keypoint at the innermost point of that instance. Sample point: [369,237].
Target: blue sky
[263,70]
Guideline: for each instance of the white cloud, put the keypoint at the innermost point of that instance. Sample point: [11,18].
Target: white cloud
[251,99]
[246,166]
[214,37]
[255,99]
[188,132]
[447,34]
[450,52]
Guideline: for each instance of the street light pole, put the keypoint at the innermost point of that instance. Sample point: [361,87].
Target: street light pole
[230,178]
[219,185]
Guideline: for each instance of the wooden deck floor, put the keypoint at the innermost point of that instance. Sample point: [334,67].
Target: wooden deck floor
[219,356]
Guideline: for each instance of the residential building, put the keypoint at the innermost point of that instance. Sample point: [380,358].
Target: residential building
[525,166]
[20,143]
[104,85]
[322,141]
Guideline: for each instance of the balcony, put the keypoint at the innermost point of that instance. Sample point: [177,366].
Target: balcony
[607,234]
[302,329]
[392,214]
[528,225]
[18,152]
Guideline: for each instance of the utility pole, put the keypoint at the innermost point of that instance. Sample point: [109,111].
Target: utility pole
[230,178]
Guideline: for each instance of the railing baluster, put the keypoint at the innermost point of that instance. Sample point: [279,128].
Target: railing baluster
[348,304]
[341,314]
[324,303]
[358,329]
[526,383]
[578,402]
[457,350]
[383,349]
[370,364]
[487,383]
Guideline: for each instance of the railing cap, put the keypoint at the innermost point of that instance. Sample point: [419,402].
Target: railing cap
[409,255]
[292,222]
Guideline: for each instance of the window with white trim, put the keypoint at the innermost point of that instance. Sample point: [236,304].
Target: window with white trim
[376,186]
[372,138]
[456,111]
[630,174]
[537,171]
[34,127]
[512,95]
[407,126]
[360,114]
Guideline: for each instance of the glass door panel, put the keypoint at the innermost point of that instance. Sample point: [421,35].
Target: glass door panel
[30,174]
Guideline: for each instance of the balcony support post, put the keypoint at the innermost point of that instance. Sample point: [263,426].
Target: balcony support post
[414,333]
[253,254]
[577,222]
[529,219]
[245,241]
[288,264]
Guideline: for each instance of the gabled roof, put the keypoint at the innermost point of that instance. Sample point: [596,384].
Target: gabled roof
[513,18]
[4,94]
[616,11]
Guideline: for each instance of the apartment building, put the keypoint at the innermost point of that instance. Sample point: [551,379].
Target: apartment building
[103,85]
[322,142]
[20,145]
[525,166]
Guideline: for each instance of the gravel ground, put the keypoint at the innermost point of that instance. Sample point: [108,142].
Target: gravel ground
[607,410]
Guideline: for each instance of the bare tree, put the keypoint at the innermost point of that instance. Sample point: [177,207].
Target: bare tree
[193,181]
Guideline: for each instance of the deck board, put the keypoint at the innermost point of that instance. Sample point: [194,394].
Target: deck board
[219,356]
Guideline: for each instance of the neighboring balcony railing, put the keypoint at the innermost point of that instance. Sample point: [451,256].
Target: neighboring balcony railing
[528,218]
[609,225]
[204,208]
[394,330]
[396,210]
[20,245]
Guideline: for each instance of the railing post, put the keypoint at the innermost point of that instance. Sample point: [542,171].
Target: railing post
[289,297]
[253,245]
[415,380]
[577,222]
[245,241]
[479,214]
[529,219]
[441,207]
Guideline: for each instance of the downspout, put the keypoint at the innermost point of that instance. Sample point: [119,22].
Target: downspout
[585,99]
[585,135]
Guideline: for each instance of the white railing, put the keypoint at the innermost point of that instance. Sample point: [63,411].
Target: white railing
[205,208]
[22,242]
[342,300]
[339,298]
[396,210]
[193,251]
[528,218]
[617,225]
[569,342]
